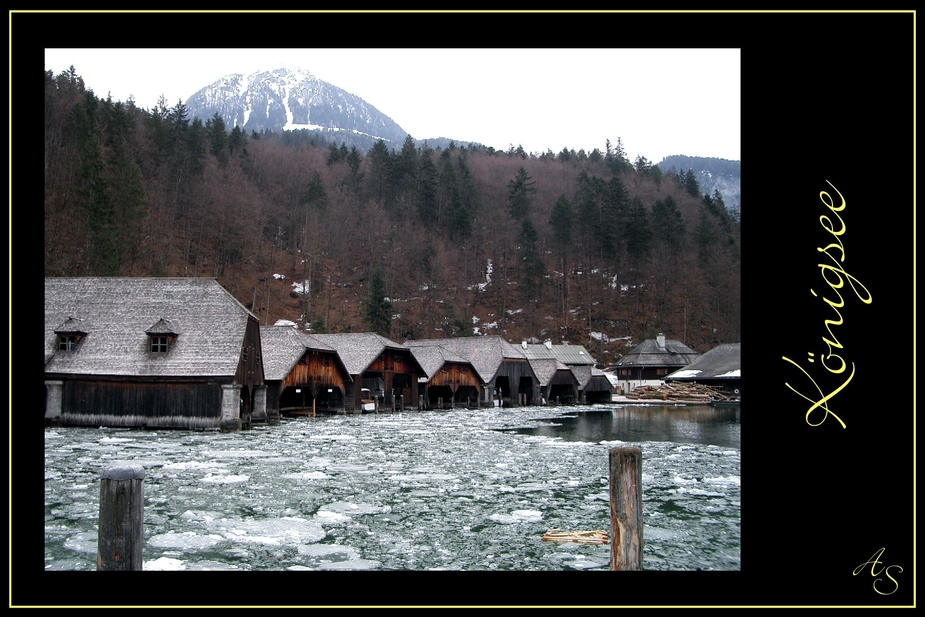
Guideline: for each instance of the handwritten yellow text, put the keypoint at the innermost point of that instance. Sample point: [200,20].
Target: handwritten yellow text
[873,562]
[835,276]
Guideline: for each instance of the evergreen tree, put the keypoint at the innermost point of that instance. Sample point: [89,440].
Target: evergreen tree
[237,142]
[530,261]
[667,219]
[520,192]
[333,154]
[637,232]
[707,237]
[690,183]
[427,187]
[102,241]
[448,200]
[380,164]
[467,204]
[218,138]
[561,221]
[614,205]
[354,160]
[378,306]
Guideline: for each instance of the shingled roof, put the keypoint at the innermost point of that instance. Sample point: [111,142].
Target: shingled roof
[357,350]
[433,357]
[545,369]
[566,354]
[722,362]
[649,353]
[283,346]
[117,315]
[485,353]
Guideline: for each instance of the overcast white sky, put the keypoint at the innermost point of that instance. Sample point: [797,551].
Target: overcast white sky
[659,102]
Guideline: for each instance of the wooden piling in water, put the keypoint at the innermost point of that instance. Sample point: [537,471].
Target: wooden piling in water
[120,541]
[626,509]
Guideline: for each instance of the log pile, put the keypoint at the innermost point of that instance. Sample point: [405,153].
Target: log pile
[689,392]
[581,537]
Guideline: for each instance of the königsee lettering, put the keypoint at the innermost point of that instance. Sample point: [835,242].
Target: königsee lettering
[836,277]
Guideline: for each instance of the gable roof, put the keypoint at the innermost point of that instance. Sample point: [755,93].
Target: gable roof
[357,350]
[566,354]
[284,345]
[117,315]
[591,379]
[722,362]
[648,353]
[485,353]
[433,357]
[546,369]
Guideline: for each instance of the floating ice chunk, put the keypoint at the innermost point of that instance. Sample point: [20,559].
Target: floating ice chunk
[188,540]
[164,563]
[518,516]
[229,479]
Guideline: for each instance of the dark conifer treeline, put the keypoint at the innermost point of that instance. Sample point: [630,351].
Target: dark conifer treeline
[524,245]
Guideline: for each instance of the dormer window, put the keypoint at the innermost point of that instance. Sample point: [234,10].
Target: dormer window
[161,337]
[69,334]
[67,342]
[159,344]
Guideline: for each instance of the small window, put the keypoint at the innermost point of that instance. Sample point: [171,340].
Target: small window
[159,344]
[67,342]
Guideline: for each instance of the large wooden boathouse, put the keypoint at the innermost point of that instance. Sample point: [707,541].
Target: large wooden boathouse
[303,374]
[387,369]
[150,352]
[569,373]
[449,379]
[507,377]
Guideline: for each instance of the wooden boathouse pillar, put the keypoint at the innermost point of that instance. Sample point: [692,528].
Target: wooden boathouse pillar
[120,540]
[231,408]
[53,400]
[626,509]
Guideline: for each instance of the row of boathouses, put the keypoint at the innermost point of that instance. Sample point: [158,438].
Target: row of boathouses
[184,353]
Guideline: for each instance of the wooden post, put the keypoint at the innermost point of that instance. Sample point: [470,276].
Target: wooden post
[120,540]
[626,509]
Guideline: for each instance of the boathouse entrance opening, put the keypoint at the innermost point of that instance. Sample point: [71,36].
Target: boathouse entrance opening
[503,391]
[525,390]
[563,393]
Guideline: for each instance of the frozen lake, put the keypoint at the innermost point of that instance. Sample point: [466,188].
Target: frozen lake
[433,490]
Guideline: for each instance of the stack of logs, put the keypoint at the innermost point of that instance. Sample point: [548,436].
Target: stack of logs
[691,392]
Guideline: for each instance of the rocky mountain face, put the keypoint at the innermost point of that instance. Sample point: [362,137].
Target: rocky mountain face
[293,99]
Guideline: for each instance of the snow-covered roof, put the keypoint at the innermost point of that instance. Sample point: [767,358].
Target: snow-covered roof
[117,316]
[722,362]
[357,350]
[567,354]
[649,353]
[485,353]
[284,345]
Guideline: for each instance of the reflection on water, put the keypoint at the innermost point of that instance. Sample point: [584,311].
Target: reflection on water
[435,490]
[700,424]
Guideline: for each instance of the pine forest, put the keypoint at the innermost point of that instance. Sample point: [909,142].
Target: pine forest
[407,240]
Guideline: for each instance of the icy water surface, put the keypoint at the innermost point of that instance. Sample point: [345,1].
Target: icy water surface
[433,490]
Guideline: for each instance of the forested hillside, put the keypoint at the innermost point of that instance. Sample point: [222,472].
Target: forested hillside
[412,242]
